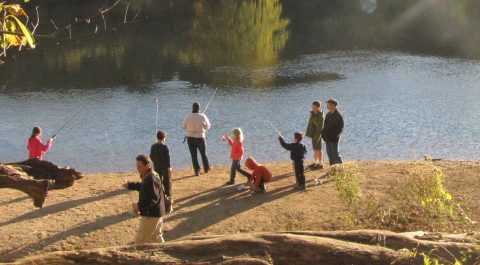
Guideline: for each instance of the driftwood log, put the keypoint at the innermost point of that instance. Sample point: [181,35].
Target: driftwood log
[35,177]
[302,248]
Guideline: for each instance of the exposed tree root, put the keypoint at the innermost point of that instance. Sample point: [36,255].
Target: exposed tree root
[322,248]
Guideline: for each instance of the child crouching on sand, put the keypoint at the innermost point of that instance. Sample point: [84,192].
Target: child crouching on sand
[236,154]
[297,154]
[260,174]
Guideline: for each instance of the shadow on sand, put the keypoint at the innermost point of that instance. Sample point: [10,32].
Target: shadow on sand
[63,206]
[223,202]
[79,230]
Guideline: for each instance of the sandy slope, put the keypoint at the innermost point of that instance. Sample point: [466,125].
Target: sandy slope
[95,211]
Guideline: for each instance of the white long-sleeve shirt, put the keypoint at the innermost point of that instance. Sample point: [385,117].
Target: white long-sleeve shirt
[196,124]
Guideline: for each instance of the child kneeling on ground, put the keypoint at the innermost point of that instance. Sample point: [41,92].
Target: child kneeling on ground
[260,175]
[297,154]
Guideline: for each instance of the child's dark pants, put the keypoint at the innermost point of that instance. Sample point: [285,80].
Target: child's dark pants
[249,176]
[299,172]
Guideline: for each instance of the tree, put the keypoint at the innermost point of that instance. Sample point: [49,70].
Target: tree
[13,31]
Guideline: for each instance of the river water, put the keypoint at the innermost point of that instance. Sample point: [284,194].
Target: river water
[399,100]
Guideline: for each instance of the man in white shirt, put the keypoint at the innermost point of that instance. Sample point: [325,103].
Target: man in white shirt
[196,124]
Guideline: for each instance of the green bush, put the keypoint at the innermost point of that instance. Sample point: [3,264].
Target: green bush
[418,201]
[346,180]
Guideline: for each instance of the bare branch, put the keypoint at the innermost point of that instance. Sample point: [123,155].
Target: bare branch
[69,27]
[126,12]
[108,8]
[138,12]
[102,11]
[54,25]
[38,21]
[104,21]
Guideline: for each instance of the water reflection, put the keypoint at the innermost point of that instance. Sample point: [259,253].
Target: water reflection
[204,34]
[193,40]
[233,32]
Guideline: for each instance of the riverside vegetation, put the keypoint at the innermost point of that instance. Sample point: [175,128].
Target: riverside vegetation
[419,200]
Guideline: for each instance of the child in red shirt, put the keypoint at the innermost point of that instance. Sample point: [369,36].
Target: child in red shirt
[236,154]
[260,175]
[36,148]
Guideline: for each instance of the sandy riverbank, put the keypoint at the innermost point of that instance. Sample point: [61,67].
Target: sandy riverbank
[95,211]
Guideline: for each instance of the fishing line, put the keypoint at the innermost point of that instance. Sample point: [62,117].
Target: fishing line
[156,119]
[112,153]
[210,101]
[70,120]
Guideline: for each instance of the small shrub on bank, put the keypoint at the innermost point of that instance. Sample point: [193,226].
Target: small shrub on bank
[471,256]
[345,178]
[418,201]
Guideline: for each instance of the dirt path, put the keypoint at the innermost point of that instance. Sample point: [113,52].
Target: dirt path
[95,211]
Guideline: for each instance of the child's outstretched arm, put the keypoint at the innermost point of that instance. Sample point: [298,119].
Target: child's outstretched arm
[283,143]
[229,140]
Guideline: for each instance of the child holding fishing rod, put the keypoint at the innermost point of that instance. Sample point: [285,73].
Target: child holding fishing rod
[297,154]
[36,148]
[236,154]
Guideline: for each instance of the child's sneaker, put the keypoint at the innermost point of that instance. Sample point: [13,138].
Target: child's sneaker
[259,191]
[300,188]
[315,166]
[230,182]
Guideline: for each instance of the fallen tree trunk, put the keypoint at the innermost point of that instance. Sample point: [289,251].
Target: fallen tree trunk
[35,177]
[261,248]
[15,179]
[41,169]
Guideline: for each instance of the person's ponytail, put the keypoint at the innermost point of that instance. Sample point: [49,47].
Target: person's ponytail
[36,131]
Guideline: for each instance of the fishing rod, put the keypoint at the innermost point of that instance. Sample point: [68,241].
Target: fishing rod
[275,128]
[69,120]
[316,180]
[210,101]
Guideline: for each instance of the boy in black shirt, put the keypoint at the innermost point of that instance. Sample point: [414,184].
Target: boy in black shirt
[160,155]
[297,154]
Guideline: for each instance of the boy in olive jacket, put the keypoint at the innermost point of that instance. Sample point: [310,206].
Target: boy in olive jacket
[314,131]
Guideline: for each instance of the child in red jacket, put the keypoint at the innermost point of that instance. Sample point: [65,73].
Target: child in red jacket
[259,176]
[35,146]
[236,154]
